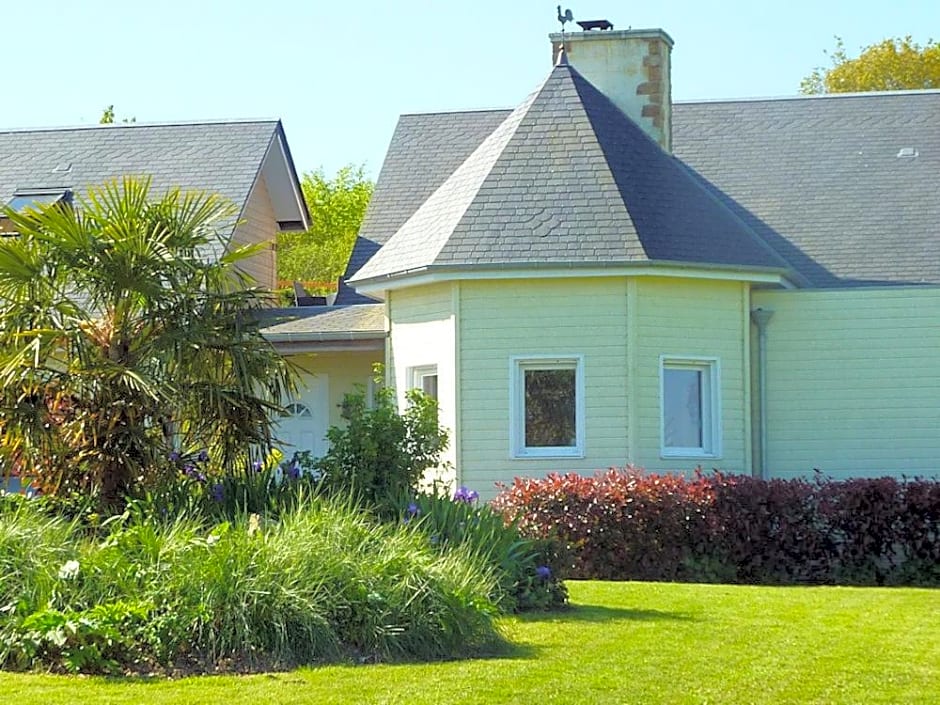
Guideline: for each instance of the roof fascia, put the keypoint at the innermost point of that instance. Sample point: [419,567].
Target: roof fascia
[300,343]
[283,184]
[432,275]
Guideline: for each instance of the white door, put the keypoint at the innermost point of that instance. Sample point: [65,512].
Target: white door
[303,426]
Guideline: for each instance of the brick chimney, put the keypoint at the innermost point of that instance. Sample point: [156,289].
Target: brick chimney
[632,68]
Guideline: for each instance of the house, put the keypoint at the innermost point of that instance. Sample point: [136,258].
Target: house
[601,277]
[246,162]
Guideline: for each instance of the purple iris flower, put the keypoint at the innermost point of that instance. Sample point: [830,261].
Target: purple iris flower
[203,456]
[256,466]
[293,472]
[413,510]
[174,457]
[218,492]
[466,495]
[543,572]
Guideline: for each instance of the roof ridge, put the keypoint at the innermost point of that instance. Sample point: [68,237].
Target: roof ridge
[456,111]
[820,96]
[131,125]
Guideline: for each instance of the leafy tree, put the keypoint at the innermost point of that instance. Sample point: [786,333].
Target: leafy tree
[107,117]
[892,65]
[337,207]
[121,342]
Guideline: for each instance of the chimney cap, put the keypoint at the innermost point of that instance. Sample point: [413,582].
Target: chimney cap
[588,25]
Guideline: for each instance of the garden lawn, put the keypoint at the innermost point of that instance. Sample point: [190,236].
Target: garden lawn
[621,643]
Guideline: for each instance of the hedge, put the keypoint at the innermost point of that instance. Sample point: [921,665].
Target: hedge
[630,525]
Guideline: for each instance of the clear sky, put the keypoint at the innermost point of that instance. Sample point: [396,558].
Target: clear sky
[340,73]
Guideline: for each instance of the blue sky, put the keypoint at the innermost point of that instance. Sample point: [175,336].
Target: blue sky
[339,74]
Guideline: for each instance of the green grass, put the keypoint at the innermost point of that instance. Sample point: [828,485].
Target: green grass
[622,643]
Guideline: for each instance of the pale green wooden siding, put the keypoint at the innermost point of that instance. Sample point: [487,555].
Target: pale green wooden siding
[499,319]
[692,318]
[853,381]
[423,333]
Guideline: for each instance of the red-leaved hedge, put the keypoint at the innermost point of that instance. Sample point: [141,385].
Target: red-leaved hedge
[630,525]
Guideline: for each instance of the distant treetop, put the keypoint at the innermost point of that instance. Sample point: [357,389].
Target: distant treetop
[891,65]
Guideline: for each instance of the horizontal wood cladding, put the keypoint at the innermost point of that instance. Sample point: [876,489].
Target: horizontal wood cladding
[853,381]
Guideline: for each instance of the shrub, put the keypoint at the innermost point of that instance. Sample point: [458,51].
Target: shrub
[631,525]
[612,525]
[319,583]
[381,454]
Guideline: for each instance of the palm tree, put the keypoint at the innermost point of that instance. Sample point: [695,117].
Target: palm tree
[127,333]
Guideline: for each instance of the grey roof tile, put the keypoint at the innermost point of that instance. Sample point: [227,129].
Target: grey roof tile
[425,149]
[522,197]
[217,157]
[326,322]
[820,180]
[817,179]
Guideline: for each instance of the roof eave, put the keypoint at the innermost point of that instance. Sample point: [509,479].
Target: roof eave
[377,285]
[339,340]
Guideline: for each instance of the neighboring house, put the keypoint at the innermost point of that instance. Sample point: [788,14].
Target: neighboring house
[600,277]
[246,162]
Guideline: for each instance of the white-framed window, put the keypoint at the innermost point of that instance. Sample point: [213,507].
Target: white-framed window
[546,406]
[424,378]
[690,406]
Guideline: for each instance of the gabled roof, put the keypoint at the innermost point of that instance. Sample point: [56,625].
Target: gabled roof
[568,179]
[218,157]
[819,179]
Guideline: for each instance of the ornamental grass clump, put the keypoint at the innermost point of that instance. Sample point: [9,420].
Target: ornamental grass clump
[321,583]
[461,523]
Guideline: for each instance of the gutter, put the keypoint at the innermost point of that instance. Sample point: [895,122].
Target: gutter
[319,336]
[615,268]
[761,317]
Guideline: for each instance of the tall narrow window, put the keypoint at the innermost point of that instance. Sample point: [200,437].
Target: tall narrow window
[690,405]
[547,407]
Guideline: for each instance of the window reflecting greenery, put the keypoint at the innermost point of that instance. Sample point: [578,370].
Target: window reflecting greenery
[550,408]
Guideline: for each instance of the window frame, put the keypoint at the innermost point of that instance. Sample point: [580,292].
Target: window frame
[711,420]
[518,364]
[416,377]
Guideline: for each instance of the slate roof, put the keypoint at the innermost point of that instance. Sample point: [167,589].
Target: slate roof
[218,157]
[425,149]
[325,323]
[567,178]
[818,179]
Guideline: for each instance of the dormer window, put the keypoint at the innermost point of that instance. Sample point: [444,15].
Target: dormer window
[32,198]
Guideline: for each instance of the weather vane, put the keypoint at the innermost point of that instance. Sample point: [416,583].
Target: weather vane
[564,18]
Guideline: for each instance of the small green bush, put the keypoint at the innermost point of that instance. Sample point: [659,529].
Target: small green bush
[381,454]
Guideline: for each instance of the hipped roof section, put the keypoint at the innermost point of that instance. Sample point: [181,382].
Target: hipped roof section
[565,179]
